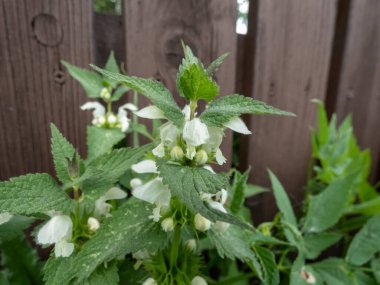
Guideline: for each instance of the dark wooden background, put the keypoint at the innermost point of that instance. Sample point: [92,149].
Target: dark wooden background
[295,50]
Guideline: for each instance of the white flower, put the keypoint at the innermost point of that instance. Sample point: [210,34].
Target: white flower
[167,224]
[154,192]
[191,244]
[98,113]
[93,224]
[5,217]
[123,115]
[58,230]
[195,132]
[236,124]
[135,182]
[201,223]
[102,208]
[197,280]
[168,136]
[145,166]
[111,119]
[219,225]
[190,151]
[214,142]
[150,281]
[151,112]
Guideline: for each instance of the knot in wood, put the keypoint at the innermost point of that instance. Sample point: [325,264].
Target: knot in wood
[59,76]
[47,30]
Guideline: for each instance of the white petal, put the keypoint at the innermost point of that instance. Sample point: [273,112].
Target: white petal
[102,208]
[124,123]
[236,124]
[187,111]
[151,112]
[216,138]
[220,159]
[197,280]
[63,248]
[93,224]
[222,196]
[159,150]
[145,166]
[190,151]
[201,223]
[195,132]
[156,214]
[135,182]
[5,217]
[114,193]
[128,106]
[150,281]
[169,134]
[99,109]
[217,206]
[57,228]
[154,192]
[209,168]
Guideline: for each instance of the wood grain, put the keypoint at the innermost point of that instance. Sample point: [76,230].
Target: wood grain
[35,90]
[154,45]
[292,52]
[359,84]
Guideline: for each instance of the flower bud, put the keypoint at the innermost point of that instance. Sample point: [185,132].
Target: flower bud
[197,280]
[201,223]
[176,153]
[93,224]
[201,157]
[111,119]
[135,182]
[150,281]
[101,120]
[167,224]
[105,94]
[191,244]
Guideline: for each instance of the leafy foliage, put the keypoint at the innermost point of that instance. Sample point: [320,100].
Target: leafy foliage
[222,110]
[214,66]
[33,194]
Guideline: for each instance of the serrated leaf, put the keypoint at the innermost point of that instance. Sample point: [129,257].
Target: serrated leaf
[188,183]
[33,194]
[104,275]
[334,271]
[295,272]
[62,151]
[222,110]
[153,90]
[20,261]
[316,243]
[111,64]
[129,230]
[234,243]
[214,66]
[237,193]
[90,81]
[101,141]
[269,266]
[282,200]
[326,208]
[14,227]
[365,243]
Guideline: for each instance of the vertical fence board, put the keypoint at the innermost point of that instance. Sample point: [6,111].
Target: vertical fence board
[359,85]
[291,63]
[154,30]
[35,90]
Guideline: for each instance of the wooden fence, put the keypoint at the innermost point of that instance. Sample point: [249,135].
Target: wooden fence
[295,50]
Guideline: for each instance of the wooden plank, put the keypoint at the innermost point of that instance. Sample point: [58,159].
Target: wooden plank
[35,90]
[359,84]
[154,45]
[291,62]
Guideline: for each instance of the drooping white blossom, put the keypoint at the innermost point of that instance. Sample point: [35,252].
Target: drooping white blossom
[98,112]
[123,115]
[201,223]
[154,192]
[145,166]
[195,132]
[102,208]
[151,112]
[237,125]
[58,230]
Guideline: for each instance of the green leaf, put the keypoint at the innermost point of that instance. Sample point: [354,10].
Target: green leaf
[62,151]
[253,190]
[111,64]
[214,66]
[90,81]
[129,230]
[188,183]
[119,92]
[295,272]
[375,266]
[153,90]
[365,243]
[282,200]
[14,227]
[33,194]
[234,243]
[334,271]
[101,141]
[222,110]
[104,275]
[237,193]
[269,266]
[326,208]
[316,243]
[20,261]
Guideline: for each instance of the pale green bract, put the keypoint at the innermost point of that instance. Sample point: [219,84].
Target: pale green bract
[222,110]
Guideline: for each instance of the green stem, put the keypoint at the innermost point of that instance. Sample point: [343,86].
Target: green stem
[76,193]
[109,106]
[135,121]
[175,246]
[193,107]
